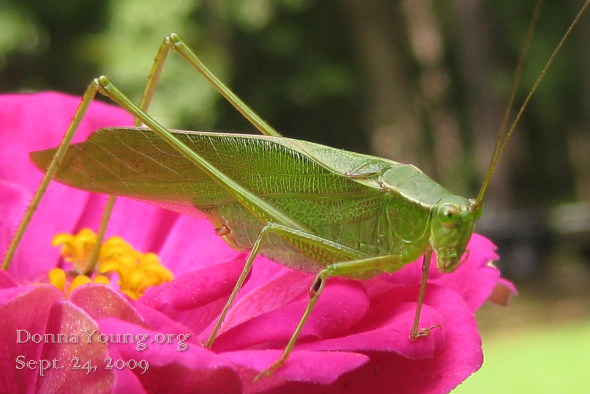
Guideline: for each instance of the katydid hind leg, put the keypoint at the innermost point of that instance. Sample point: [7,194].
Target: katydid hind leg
[87,99]
[50,173]
[144,104]
[175,43]
[289,235]
[255,204]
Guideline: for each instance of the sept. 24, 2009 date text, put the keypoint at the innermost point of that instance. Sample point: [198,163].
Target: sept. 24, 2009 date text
[75,363]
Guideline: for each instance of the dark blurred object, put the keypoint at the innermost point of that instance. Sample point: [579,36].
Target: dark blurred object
[526,237]
[571,222]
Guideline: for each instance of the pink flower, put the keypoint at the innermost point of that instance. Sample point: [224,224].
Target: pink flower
[31,311]
[356,339]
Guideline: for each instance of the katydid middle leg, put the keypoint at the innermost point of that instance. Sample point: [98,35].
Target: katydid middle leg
[385,263]
[307,242]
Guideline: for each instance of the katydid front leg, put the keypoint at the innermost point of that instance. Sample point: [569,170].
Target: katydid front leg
[422,332]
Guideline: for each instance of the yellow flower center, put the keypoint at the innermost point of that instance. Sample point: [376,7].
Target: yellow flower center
[76,249]
[137,271]
[58,278]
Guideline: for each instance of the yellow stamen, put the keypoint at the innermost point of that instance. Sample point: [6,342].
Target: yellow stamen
[102,279]
[137,271]
[137,275]
[57,277]
[76,249]
[79,281]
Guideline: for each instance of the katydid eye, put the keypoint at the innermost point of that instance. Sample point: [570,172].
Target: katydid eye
[448,215]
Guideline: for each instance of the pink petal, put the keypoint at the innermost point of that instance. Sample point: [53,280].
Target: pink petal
[29,116]
[196,299]
[191,369]
[35,256]
[264,293]
[305,366]
[342,304]
[143,225]
[196,288]
[6,280]
[100,300]
[65,318]
[39,122]
[476,278]
[391,372]
[460,357]
[125,380]
[25,309]
[387,326]
[160,322]
[503,291]
[191,244]
[14,198]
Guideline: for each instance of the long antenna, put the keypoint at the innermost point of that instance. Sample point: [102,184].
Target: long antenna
[503,138]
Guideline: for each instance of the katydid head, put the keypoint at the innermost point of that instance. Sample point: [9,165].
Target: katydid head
[453,219]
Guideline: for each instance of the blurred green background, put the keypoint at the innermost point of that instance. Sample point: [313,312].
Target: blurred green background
[417,81]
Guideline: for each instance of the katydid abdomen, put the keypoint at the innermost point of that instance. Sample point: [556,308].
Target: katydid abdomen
[370,205]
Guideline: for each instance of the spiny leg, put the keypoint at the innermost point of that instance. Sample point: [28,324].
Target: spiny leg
[171,42]
[237,287]
[424,332]
[285,233]
[175,43]
[315,291]
[258,206]
[50,173]
[87,98]
[102,229]
[144,104]
[381,263]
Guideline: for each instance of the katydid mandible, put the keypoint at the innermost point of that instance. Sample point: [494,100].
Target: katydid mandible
[307,206]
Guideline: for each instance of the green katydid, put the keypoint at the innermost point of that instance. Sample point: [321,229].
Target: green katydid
[307,206]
